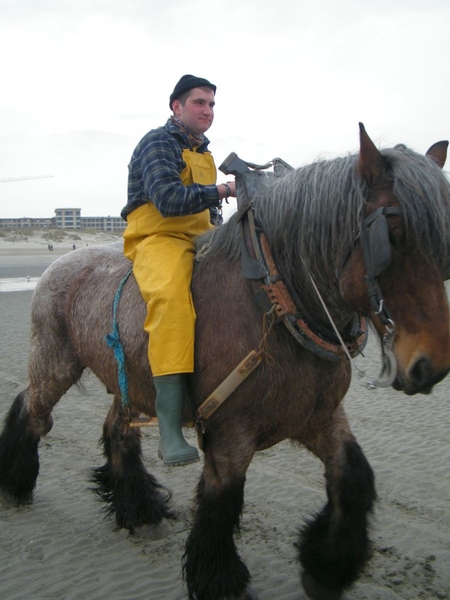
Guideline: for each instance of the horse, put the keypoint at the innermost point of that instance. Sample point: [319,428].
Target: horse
[294,277]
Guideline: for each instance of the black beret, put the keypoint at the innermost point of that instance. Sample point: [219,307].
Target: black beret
[189,82]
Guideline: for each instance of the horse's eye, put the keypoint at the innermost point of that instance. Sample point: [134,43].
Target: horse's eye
[396,237]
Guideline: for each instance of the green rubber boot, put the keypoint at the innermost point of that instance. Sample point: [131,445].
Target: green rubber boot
[170,394]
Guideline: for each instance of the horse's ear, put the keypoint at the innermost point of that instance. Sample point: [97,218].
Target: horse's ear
[438,152]
[370,162]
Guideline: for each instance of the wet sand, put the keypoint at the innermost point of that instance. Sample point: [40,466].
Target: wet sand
[62,547]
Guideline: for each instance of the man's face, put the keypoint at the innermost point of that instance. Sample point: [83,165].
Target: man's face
[198,110]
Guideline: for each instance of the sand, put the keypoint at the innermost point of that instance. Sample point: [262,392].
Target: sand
[62,547]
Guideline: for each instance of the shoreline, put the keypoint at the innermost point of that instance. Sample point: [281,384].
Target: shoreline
[31,256]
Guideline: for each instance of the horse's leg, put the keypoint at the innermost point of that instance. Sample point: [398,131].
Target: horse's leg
[52,371]
[334,547]
[19,460]
[131,494]
[211,565]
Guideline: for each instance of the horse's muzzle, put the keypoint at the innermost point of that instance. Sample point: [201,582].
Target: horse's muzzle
[421,378]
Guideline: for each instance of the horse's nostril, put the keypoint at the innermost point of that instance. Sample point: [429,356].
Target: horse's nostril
[422,377]
[421,373]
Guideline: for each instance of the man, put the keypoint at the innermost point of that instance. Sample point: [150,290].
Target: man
[171,195]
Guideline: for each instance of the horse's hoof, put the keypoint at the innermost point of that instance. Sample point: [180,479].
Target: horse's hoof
[249,594]
[7,500]
[315,591]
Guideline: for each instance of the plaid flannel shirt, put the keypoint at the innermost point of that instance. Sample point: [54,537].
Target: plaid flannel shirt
[154,175]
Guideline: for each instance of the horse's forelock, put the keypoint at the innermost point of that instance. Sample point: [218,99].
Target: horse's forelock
[423,191]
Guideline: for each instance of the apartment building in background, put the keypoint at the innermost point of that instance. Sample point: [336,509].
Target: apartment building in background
[66,218]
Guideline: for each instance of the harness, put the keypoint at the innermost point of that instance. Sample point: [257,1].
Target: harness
[258,265]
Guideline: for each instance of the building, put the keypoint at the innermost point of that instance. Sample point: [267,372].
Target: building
[67,218]
[25,222]
[103,223]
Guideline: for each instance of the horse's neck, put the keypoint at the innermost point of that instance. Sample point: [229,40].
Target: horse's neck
[319,295]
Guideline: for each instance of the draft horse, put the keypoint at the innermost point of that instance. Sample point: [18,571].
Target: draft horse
[361,237]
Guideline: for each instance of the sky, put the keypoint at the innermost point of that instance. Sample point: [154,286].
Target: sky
[84,80]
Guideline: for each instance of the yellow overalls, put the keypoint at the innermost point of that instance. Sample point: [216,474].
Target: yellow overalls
[162,250]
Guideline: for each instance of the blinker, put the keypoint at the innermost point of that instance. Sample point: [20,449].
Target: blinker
[378,244]
[375,240]
[377,255]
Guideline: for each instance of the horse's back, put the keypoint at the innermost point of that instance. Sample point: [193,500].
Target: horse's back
[74,301]
[74,265]
[78,272]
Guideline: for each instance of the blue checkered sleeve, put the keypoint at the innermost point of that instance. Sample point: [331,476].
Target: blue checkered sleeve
[154,175]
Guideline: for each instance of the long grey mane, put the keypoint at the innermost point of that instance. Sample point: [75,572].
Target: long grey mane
[313,214]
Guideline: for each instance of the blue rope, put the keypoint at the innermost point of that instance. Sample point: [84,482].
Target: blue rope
[113,341]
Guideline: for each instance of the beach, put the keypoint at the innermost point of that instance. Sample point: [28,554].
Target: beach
[63,546]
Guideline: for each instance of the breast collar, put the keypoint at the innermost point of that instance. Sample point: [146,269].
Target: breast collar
[258,265]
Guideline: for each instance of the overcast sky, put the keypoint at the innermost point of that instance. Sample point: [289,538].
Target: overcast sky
[84,80]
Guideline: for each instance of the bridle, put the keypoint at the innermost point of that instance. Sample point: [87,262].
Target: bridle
[377,253]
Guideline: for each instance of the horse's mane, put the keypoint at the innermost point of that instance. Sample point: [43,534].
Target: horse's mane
[313,214]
